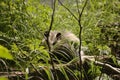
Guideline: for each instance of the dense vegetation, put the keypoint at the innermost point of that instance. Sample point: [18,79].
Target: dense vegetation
[22,27]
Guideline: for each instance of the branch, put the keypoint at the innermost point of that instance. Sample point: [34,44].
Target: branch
[79,23]
[51,23]
[80,33]
[48,43]
[108,67]
[68,10]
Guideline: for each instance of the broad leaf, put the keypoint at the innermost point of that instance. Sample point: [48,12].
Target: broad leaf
[4,53]
[3,78]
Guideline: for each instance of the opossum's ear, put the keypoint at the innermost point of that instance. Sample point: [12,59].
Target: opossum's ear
[58,36]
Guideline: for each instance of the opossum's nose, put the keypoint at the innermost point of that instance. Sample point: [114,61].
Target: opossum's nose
[54,43]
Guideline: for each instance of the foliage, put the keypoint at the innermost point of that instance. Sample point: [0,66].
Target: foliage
[22,23]
[2,78]
[4,53]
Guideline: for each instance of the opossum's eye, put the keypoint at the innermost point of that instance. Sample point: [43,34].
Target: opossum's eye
[58,36]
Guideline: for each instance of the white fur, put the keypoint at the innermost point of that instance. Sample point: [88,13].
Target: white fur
[70,36]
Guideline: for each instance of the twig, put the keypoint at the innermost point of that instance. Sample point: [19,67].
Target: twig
[79,23]
[108,67]
[48,43]
[80,33]
[68,10]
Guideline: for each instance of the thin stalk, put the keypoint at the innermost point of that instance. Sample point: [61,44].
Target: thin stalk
[80,29]
[48,43]
[80,35]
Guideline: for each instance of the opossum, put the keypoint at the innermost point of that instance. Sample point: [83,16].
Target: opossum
[61,43]
[57,36]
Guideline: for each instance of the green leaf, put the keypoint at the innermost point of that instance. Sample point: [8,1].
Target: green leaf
[3,78]
[4,53]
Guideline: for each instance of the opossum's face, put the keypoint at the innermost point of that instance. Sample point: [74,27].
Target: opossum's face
[53,37]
